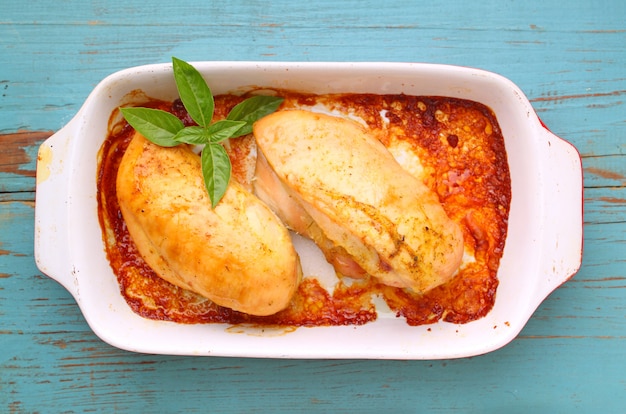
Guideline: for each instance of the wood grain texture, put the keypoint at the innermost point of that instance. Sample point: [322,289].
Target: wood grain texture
[569,59]
[19,160]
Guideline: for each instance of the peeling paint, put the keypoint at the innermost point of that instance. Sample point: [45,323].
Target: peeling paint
[605,173]
[613,200]
[16,155]
[577,96]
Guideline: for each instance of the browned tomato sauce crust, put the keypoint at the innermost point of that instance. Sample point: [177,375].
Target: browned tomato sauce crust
[462,153]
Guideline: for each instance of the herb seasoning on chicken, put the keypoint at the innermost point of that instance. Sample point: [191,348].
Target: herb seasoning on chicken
[450,152]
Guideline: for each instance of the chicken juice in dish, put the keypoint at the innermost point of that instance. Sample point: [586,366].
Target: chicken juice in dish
[451,147]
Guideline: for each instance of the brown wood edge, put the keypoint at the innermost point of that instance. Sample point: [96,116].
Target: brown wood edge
[17,152]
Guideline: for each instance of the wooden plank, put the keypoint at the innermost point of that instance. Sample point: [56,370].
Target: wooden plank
[605,205]
[522,377]
[605,171]
[18,160]
[591,118]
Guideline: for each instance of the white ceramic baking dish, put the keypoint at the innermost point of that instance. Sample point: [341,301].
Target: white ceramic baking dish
[543,246]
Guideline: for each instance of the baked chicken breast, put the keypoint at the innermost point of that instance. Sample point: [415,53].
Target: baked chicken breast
[328,179]
[239,255]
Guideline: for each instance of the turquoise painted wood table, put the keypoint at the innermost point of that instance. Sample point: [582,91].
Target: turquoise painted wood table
[568,57]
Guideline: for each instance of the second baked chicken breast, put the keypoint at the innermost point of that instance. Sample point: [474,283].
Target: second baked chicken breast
[330,180]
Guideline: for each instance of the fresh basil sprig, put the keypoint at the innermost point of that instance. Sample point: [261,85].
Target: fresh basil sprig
[165,129]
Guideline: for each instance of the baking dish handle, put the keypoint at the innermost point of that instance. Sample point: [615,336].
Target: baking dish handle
[563,242]
[51,249]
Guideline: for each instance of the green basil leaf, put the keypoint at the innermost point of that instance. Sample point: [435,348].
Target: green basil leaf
[195,135]
[194,92]
[165,129]
[224,129]
[216,170]
[253,109]
[156,125]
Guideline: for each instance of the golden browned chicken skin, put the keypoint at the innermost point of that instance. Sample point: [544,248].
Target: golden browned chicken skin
[330,180]
[239,255]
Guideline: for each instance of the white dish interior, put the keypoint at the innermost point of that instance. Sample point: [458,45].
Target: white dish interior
[543,247]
